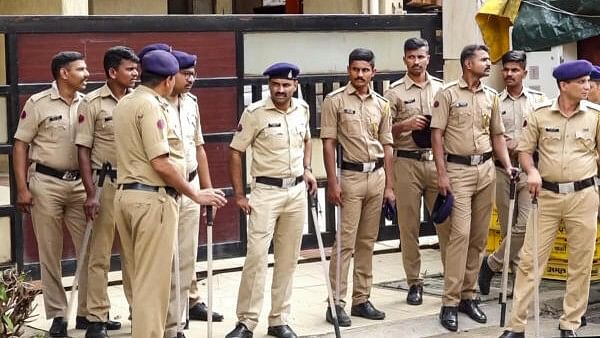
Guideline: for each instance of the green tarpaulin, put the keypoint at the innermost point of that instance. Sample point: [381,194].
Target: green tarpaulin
[543,24]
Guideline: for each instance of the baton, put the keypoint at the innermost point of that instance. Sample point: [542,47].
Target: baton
[106,167]
[536,269]
[177,283]
[338,230]
[209,267]
[511,211]
[332,305]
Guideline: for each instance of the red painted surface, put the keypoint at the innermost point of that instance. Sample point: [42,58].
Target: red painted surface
[589,49]
[218,108]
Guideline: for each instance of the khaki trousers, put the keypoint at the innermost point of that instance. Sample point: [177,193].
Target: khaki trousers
[521,214]
[278,215]
[578,211]
[362,195]
[57,202]
[414,179]
[473,189]
[187,235]
[147,223]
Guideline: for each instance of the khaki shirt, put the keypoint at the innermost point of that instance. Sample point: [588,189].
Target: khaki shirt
[361,126]
[277,138]
[408,98]
[567,146]
[467,118]
[47,124]
[95,127]
[145,130]
[187,120]
[514,110]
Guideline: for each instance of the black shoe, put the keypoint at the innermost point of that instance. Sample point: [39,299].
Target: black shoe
[58,328]
[179,335]
[567,333]
[485,277]
[583,321]
[449,317]
[510,334]
[367,310]
[471,308]
[281,331]
[240,331]
[342,317]
[200,312]
[415,295]
[82,323]
[96,330]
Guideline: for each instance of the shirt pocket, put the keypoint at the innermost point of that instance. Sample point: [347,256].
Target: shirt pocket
[459,116]
[585,139]
[350,121]
[55,127]
[550,137]
[106,124]
[274,137]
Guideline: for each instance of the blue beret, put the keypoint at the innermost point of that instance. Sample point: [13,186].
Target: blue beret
[185,60]
[595,74]
[160,62]
[442,208]
[572,70]
[282,70]
[422,137]
[154,46]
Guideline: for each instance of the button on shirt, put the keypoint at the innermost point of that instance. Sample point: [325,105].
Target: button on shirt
[47,123]
[407,99]
[514,110]
[361,125]
[95,127]
[277,137]
[188,121]
[566,146]
[468,118]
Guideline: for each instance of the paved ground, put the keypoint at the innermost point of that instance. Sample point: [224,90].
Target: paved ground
[308,305]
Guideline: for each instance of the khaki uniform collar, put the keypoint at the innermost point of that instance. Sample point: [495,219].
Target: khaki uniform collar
[581,107]
[270,105]
[408,82]
[55,94]
[350,90]
[504,94]
[463,84]
[105,91]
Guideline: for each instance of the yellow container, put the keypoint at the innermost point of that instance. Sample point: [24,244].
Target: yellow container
[494,220]
[557,270]
[494,240]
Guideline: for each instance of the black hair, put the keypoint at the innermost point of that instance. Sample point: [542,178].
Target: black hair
[469,51]
[114,56]
[61,60]
[362,54]
[150,79]
[415,43]
[517,56]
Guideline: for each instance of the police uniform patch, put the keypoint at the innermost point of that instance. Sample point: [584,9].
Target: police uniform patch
[436,104]
[23,114]
[160,124]
[239,127]
[81,118]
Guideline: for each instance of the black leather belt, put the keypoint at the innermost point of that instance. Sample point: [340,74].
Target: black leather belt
[363,167]
[280,182]
[66,175]
[192,175]
[110,173]
[469,159]
[420,155]
[563,188]
[144,187]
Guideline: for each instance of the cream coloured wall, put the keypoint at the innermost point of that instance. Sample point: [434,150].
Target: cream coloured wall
[120,7]
[333,7]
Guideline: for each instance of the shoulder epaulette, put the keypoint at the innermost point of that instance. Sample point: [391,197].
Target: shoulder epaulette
[35,97]
[593,105]
[191,96]
[396,83]
[301,102]
[93,94]
[450,84]
[337,91]
[534,92]
[380,96]
[436,79]
[490,89]
[255,105]
[545,103]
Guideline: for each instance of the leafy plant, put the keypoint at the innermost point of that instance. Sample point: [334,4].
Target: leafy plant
[16,302]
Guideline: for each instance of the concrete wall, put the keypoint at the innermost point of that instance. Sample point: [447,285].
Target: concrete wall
[120,7]
[333,7]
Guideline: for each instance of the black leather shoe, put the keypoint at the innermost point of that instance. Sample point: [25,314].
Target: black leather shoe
[96,330]
[367,310]
[471,308]
[240,331]
[567,333]
[449,317]
[485,277]
[82,323]
[200,312]
[342,317]
[58,328]
[415,295]
[281,331]
[510,334]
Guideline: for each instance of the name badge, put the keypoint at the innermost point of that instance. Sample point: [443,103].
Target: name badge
[461,104]
[106,119]
[552,129]
[410,101]
[349,111]
[274,125]
[55,118]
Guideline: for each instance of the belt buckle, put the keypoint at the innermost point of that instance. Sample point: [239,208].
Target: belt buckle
[565,188]
[368,167]
[69,176]
[476,159]
[288,182]
[427,155]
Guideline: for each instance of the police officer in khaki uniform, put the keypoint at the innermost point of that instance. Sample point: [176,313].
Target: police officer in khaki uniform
[515,102]
[277,128]
[566,134]
[151,173]
[55,194]
[594,94]
[184,110]
[95,146]
[466,126]
[359,119]
[411,99]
